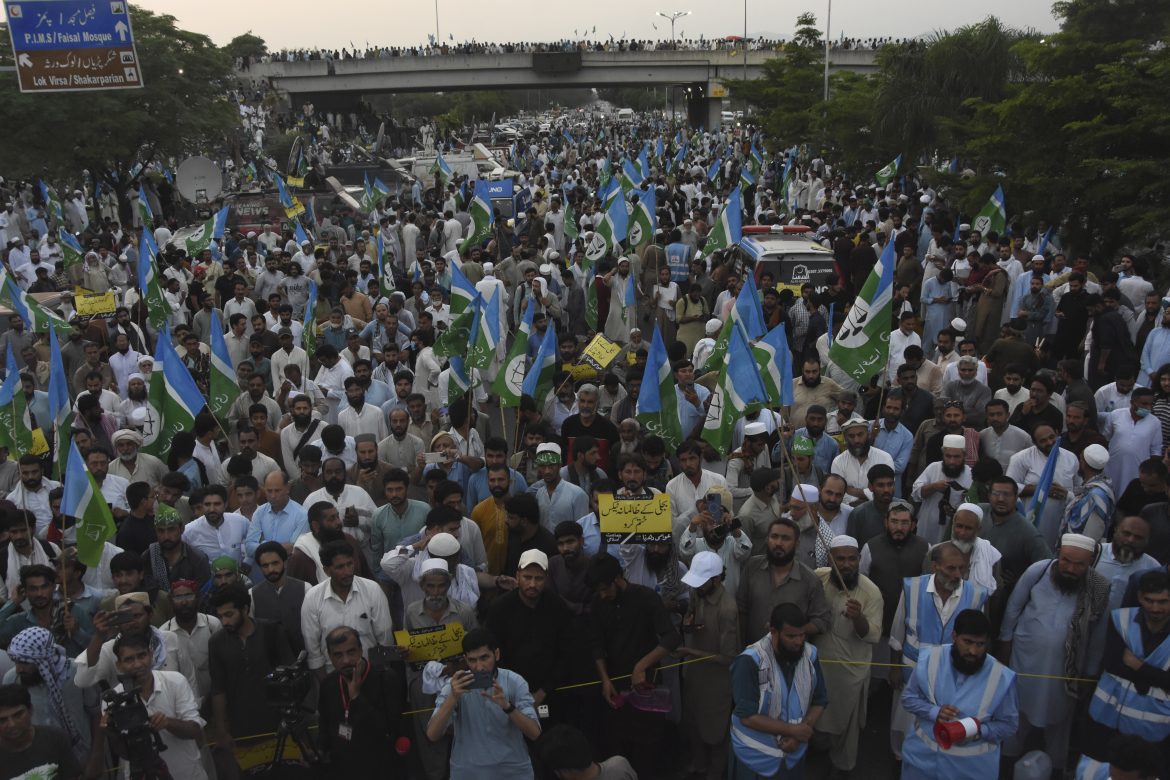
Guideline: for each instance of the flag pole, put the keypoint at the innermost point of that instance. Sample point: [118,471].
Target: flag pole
[811,509]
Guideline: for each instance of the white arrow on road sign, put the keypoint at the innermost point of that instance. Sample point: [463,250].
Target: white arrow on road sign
[121,29]
[24,61]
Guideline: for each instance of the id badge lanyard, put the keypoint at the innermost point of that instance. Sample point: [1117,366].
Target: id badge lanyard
[345,731]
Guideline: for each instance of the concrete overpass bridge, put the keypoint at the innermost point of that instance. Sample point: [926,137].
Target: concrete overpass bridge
[334,84]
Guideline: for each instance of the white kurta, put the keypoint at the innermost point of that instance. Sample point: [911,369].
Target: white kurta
[932,523]
[1129,444]
[1025,468]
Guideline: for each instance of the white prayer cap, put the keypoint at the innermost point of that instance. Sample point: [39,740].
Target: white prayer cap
[754,429]
[964,227]
[134,376]
[545,269]
[843,541]
[1096,456]
[443,545]
[146,359]
[1041,258]
[806,493]
[433,564]
[488,268]
[1078,540]
[712,327]
[953,441]
[959,323]
[974,509]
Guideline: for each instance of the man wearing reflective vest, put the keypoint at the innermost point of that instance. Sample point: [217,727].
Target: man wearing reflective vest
[964,705]
[778,693]
[1133,694]
[925,618]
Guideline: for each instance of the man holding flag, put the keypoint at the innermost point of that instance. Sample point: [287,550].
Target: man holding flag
[1046,474]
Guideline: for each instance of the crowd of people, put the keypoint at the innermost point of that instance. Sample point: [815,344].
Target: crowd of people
[974,533]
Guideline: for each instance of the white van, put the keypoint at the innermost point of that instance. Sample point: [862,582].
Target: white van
[727,117]
[625,115]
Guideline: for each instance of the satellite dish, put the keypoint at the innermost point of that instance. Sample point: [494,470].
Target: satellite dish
[199,180]
[294,153]
[378,142]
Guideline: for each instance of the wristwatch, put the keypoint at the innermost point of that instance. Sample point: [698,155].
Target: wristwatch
[510,708]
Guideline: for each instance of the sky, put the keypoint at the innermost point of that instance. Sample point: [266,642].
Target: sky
[309,24]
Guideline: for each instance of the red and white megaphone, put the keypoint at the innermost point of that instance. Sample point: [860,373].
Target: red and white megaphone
[947,734]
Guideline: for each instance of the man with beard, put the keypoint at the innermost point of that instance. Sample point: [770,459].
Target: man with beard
[1123,560]
[751,455]
[982,558]
[324,527]
[1000,440]
[1026,468]
[280,519]
[352,503]
[132,465]
[304,429]
[953,424]
[587,422]
[249,461]
[491,516]
[1016,539]
[958,683]
[1037,410]
[558,500]
[525,532]
[359,417]
[257,393]
[217,532]
[1079,430]
[924,619]
[689,487]
[940,488]
[868,519]
[368,472]
[359,711]
[1047,626]
[1155,351]
[777,577]
[131,616]
[32,494]
[278,597]
[44,669]
[824,448]
[1089,510]
[194,626]
[917,404]
[761,507]
[893,438]
[632,632]
[812,390]
[712,632]
[779,695]
[859,457]
[566,569]
[401,448]
[719,534]
[1134,435]
[856,604]
[69,623]
[342,599]
[495,450]
[240,658]
[135,397]
[623,305]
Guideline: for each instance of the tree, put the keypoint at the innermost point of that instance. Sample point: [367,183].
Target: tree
[246,45]
[1085,139]
[183,109]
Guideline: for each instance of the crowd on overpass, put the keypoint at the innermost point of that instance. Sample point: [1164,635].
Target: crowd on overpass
[731,43]
[974,524]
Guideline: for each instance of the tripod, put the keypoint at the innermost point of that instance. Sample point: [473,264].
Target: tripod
[294,724]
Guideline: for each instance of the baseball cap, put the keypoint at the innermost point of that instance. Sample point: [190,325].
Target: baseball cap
[704,566]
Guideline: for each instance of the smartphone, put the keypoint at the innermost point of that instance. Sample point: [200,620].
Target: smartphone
[120,618]
[435,457]
[715,505]
[482,680]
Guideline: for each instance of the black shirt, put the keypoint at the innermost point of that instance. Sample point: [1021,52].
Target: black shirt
[238,670]
[373,726]
[543,541]
[135,534]
[50,748]
[626,629]
[533,640]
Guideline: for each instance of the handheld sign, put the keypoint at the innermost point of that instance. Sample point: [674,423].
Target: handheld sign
[634,520]
[434,643]
[600,352]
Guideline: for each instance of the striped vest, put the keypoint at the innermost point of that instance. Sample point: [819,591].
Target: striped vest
[760,751]
[924,628]
[1117,704]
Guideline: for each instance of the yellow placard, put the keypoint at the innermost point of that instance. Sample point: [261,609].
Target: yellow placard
[434,643]
[600,352]
[90,304]
[579,371]
[296,209]
[295,181]
[647,519]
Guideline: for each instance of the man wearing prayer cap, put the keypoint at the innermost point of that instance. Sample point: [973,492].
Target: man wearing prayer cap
[856,605]
[1053,611]
[858,458]
[1090,510]
[940,488]
[982,557]
[558,499]
[131,464]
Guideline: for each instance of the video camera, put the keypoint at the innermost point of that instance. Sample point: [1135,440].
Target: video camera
[287,686]
[131,722]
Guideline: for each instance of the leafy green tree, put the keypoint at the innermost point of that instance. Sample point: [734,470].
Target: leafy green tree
[1086,139]
[183,109]
[246,45]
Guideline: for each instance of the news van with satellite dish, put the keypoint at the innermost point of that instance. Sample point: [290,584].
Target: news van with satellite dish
[787,252]
[199,181]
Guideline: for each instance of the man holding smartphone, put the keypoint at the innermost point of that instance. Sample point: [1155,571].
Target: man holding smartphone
[498,703]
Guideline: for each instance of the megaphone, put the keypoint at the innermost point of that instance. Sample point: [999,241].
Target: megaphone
[953,731]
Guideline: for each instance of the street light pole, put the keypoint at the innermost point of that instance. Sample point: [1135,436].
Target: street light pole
[438,38]
[673,16]
[828,21]
[745,40]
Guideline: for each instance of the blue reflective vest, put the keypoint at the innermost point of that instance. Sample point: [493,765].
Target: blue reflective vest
[1117,704]
[923,626]
[756,749]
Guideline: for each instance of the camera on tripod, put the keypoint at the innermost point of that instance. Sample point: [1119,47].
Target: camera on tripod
[287,686]
[131,722]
